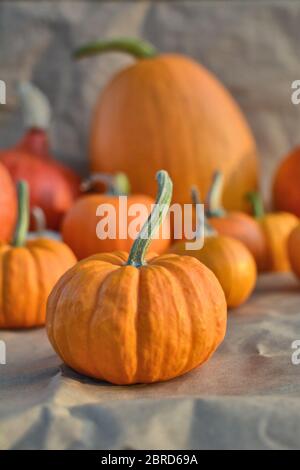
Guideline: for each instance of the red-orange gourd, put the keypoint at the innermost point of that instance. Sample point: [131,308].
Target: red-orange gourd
[53,187]
[228,258]
[286,184]
[28,272]
[168,111]
[117,318]
[276,227]
[8,205]
[86,225]
[234,224]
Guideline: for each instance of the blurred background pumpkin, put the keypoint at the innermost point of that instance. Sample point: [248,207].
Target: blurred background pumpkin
[167,111]
[80,225]
[53,186]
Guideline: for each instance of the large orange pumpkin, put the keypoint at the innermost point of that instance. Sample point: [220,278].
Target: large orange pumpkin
[276,227]
[116,317]
[169,111]
[234,224]
[286,185]
[79,227]
[28,271]
[8,205]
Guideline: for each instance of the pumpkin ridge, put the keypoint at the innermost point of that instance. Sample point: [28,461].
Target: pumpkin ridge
[172,273]
[54,301]
[52,304]
[75,278]
[118,349]
[18,266]
[149,333]
[217,339]
[40,285]
[137,329]
[205,274]
[180,268]
[90,320]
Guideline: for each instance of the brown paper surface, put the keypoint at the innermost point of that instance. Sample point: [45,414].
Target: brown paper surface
[246,396]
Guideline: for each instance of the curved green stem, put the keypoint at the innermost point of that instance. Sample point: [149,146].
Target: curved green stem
[208,229]
[163,199]
[23,215]
[214,196]
[35,106]
[256,202]
[117,185]
[136,47]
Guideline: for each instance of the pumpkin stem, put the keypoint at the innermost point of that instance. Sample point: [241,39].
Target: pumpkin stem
[159,212]
[208,229]
[256,202]
[23,214]
[117,185]
[35,106]
[214,196]
[39,217]
[136,47]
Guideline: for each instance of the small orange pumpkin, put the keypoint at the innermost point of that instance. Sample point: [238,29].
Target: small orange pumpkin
[234,224]
[80,223]
[228,258]
[116,317]
[28,271]
[276,227]
[286,184]
[293,250]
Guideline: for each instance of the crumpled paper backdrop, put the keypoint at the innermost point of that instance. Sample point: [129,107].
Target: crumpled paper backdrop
[245,396]
[253,47]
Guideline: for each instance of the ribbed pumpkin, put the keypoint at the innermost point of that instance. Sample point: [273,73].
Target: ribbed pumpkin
[293,250]
[277,227]
[168,111]
[286,184]
[228,258]
[79,227]
[28,272]
[53,186]
[8,205]
[116,317]
[234,224]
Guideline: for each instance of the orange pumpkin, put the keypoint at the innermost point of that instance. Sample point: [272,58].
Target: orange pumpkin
[293,250]
[8,205]
[117,318]
[80,223]
[169,111]
[228,258]
[276,227]
[286,185]
[234,224]
[28,271]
